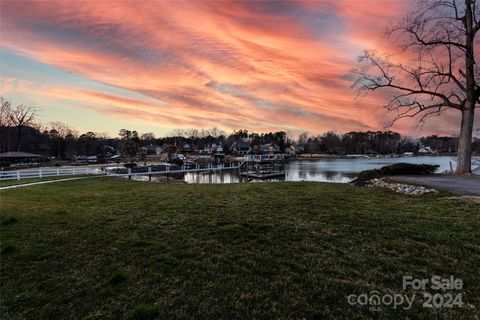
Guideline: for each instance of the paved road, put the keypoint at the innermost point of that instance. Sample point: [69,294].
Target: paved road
[464,185]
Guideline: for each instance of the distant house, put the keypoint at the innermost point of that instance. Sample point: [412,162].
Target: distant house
[186,147]
[290,150]
[218,149]
[270,148]
[299,148]
[208,149]
[108,150]
[425,150]
[240,148]
[86,159]
[152,149]
[116,158]
[213,148]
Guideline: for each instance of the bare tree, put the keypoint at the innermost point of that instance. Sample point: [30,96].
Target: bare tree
[216,132]
[148,136]
[5,122]
[21,116]
[5,112]
[438,40]
[191,133]
[178,133]
[303,138]
[61,132]
[104,135]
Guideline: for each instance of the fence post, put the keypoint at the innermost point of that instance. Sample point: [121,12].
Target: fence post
[40,173]
[58,172]
[73,171]
[149,173]
[129,173]
[18,175]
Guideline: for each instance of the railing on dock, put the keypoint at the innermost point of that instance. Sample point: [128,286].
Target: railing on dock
[264,157]
[172,169]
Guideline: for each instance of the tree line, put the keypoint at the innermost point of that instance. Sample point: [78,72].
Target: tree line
[19,131]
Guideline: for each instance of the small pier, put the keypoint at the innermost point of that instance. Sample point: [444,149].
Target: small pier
[171,169]
[264,166]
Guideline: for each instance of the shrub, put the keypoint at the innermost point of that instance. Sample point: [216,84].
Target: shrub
[408,168]
[392,170]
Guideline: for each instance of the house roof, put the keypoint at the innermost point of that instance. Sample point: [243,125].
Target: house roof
[19,154]
[151,147]
[266,145]
[241,145]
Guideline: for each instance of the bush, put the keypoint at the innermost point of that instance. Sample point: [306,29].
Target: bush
[393,170]
[408,168]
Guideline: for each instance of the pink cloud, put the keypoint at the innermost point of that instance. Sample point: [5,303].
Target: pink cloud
[226,63]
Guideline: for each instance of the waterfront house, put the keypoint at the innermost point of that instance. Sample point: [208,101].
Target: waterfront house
[152,149]
[270,148]
[240,148]
[425,150]
[186,147]
[290,150]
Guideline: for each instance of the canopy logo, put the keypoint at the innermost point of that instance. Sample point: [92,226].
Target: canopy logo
[442,296]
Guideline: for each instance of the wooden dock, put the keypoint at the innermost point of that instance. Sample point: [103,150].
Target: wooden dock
[168,169]
[256,175]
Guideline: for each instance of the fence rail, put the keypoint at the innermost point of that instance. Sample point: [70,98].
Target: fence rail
[43,173]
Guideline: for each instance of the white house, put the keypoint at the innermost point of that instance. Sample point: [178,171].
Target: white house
[152,149]
[425,150]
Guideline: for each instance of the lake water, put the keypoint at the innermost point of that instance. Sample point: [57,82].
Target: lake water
[326,170]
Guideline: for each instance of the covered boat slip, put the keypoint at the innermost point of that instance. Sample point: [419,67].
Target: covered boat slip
[19,159]
[264,166]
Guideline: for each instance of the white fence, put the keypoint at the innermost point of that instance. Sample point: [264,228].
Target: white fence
[48,172]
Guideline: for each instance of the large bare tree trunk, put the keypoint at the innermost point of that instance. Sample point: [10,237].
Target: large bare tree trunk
[464,159]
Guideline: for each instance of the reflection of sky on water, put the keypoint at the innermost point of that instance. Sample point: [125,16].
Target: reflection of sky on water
[328,170]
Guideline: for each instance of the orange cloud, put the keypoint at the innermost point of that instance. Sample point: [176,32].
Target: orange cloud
[226,63]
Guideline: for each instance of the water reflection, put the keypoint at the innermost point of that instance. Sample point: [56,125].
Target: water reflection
[325,170]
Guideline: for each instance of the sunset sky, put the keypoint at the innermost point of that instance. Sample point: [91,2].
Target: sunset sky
[158,65]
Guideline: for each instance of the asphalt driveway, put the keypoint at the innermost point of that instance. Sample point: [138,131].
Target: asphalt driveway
[464,185]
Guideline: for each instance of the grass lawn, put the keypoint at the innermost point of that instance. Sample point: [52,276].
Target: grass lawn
[6,183]
[116,249]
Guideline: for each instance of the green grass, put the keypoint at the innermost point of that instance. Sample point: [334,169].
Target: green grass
[117,249]
[6,183]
